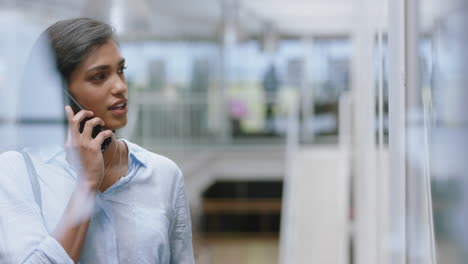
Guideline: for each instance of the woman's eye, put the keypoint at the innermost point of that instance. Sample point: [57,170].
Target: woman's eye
[122,69]
[98,77]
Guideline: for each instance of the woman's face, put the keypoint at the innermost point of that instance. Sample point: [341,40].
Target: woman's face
[99,85]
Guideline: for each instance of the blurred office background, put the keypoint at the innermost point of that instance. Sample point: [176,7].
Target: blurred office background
[308,131]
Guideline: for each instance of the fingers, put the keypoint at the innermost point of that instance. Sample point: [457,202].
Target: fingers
[69,112]
[89,125]
[69,138]
[101,137]
[70,116]
[85,139]
[75,119]
[81,115]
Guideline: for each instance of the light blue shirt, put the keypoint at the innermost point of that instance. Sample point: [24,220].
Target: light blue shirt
[143,218]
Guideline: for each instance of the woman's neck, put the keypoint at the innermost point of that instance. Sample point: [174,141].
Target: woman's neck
[114,150]
[115,163]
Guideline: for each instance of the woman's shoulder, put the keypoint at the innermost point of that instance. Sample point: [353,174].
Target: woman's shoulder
[13,161]
[42,153]
[10,158]
[12,169]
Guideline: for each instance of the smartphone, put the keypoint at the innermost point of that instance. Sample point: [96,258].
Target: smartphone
[76,107]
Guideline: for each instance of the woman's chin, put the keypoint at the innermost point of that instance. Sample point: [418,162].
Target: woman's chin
[116,125]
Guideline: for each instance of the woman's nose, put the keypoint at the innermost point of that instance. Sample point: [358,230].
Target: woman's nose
[119,85]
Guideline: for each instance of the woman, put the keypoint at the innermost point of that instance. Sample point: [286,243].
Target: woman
[122,205]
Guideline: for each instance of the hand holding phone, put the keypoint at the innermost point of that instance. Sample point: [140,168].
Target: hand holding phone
[83,151]
[76,107]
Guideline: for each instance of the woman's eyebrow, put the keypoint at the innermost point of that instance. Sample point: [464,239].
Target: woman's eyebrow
[100,67]
[105,67]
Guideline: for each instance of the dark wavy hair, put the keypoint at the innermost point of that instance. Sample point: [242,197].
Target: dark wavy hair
[59,50]
[72,40]
[55,55]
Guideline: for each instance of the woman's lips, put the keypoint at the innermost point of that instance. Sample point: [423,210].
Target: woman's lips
[119,109]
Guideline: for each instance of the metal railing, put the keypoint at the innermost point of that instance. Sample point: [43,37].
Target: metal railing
[173,123]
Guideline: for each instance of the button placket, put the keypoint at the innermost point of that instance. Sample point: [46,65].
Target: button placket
[110,229]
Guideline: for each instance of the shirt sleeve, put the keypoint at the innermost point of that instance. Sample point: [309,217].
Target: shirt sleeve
[23,236]
[181,227]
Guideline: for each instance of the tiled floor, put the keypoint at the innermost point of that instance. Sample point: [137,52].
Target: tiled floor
[236,249]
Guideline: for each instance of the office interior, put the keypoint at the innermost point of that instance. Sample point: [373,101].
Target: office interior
[308,131]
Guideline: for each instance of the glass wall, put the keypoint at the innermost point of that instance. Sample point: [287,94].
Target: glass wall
[442,109]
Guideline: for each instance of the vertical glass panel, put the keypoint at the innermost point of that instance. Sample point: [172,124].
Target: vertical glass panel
[443,123]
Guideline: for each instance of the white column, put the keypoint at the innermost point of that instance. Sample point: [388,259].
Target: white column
[287,235]
[365,183]
[382,158]
[397,142]
[416,241]
[314,217]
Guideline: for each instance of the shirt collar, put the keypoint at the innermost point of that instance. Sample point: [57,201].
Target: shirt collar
[135,152]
